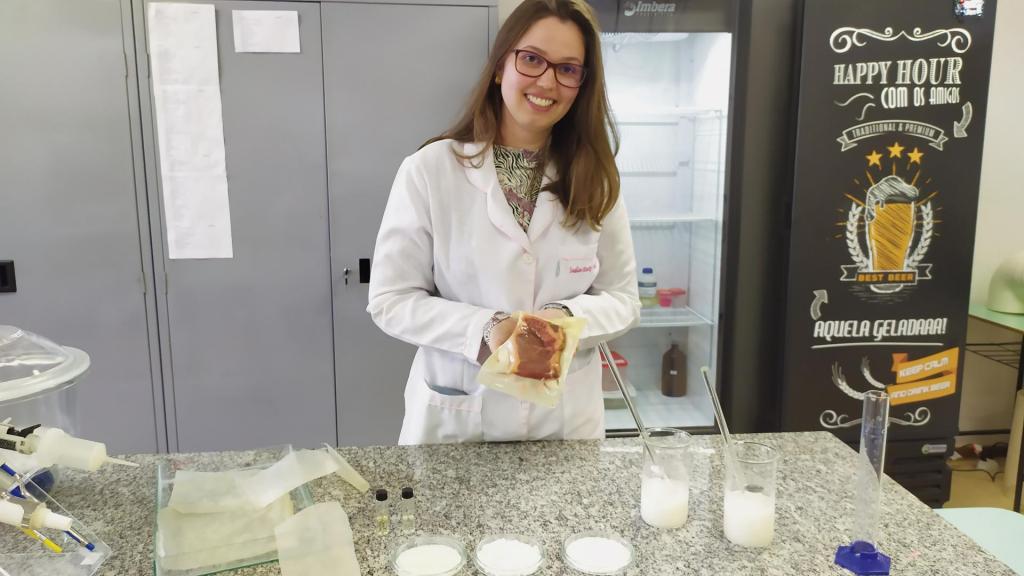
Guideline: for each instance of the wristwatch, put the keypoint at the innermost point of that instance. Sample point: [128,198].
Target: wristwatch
[557,306]
[498,318]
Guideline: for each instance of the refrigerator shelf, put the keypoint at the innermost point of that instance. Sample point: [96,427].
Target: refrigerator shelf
[658,410]
[652,168]
[668,221]
[671,318]
[660,116]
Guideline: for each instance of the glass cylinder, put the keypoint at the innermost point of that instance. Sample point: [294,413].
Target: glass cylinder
[871,461]
[749,516]
[665,479]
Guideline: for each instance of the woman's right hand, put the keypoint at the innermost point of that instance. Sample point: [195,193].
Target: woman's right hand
[500,334]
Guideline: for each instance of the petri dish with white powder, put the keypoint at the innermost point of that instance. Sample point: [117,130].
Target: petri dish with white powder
[509,555]
[428,556]
[600,553]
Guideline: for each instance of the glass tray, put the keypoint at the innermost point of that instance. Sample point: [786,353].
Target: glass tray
[248,460]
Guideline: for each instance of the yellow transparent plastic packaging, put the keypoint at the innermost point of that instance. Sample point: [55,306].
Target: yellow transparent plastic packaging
[501,370]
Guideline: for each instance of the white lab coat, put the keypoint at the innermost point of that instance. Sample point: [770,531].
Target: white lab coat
[450,254]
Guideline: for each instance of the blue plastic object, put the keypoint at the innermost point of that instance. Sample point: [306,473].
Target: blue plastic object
[863,558]
[42,482]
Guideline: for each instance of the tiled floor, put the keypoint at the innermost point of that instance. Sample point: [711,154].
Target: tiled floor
[974,488]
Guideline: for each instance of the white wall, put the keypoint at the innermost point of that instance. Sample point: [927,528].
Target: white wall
[987,400]
[505,7]
[1001,209]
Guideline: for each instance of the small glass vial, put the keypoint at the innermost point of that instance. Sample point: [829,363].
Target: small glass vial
[407,511]
[381,514]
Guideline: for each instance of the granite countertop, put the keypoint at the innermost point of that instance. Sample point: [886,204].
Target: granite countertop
[553,489]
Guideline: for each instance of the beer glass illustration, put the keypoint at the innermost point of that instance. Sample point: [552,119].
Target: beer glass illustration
[891,218]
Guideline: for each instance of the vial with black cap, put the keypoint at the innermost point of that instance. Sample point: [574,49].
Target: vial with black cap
[381,513]
[407,511]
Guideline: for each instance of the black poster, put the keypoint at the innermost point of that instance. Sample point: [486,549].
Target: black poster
[888,160]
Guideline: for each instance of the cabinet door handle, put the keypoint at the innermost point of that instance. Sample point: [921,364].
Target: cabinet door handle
[345,274]
[364,270]
[7,279]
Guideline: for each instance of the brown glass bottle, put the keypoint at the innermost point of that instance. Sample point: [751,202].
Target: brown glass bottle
[673,372]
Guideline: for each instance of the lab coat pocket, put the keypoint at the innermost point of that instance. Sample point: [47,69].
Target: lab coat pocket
[451,415]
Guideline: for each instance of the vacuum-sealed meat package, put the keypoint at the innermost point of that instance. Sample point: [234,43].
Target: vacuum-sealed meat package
[533,363]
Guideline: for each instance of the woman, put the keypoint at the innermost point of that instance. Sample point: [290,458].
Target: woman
[516,208]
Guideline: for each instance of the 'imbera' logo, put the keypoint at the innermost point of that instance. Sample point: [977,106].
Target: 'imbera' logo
[653,7]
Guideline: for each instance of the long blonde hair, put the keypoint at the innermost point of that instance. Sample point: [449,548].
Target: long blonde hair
[583,144]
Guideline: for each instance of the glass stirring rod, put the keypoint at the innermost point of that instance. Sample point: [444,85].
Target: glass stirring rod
[603,347]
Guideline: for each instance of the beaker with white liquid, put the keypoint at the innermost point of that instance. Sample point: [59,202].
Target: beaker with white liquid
[665,481]
[749,517]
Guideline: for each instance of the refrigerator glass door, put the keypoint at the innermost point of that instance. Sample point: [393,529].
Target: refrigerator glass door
[669,95]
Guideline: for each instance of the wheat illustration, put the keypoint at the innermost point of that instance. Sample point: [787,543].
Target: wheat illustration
[852,243]
[927,227]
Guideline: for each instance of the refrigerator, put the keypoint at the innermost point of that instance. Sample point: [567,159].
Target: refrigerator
[681,77]
[891,123]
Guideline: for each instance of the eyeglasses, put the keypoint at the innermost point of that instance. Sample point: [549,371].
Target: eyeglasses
[534,65]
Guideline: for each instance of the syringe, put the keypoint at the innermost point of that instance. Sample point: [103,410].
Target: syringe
[49,446]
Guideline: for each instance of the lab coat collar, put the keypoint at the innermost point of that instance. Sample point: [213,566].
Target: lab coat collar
[484,176]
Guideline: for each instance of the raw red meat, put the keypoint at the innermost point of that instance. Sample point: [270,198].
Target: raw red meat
[538,346]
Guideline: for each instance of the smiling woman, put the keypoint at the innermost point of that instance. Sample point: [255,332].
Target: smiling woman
[518,103]
[515,208]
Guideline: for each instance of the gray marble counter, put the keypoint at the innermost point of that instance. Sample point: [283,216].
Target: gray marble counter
[552,489]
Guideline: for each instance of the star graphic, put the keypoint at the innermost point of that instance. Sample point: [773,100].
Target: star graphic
[874,158]
[895,151]
[915,156]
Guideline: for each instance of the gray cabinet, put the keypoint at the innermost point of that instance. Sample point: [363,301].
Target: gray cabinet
[272,345]
[275,345]
[69,208]
[395,75]
[249,354]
